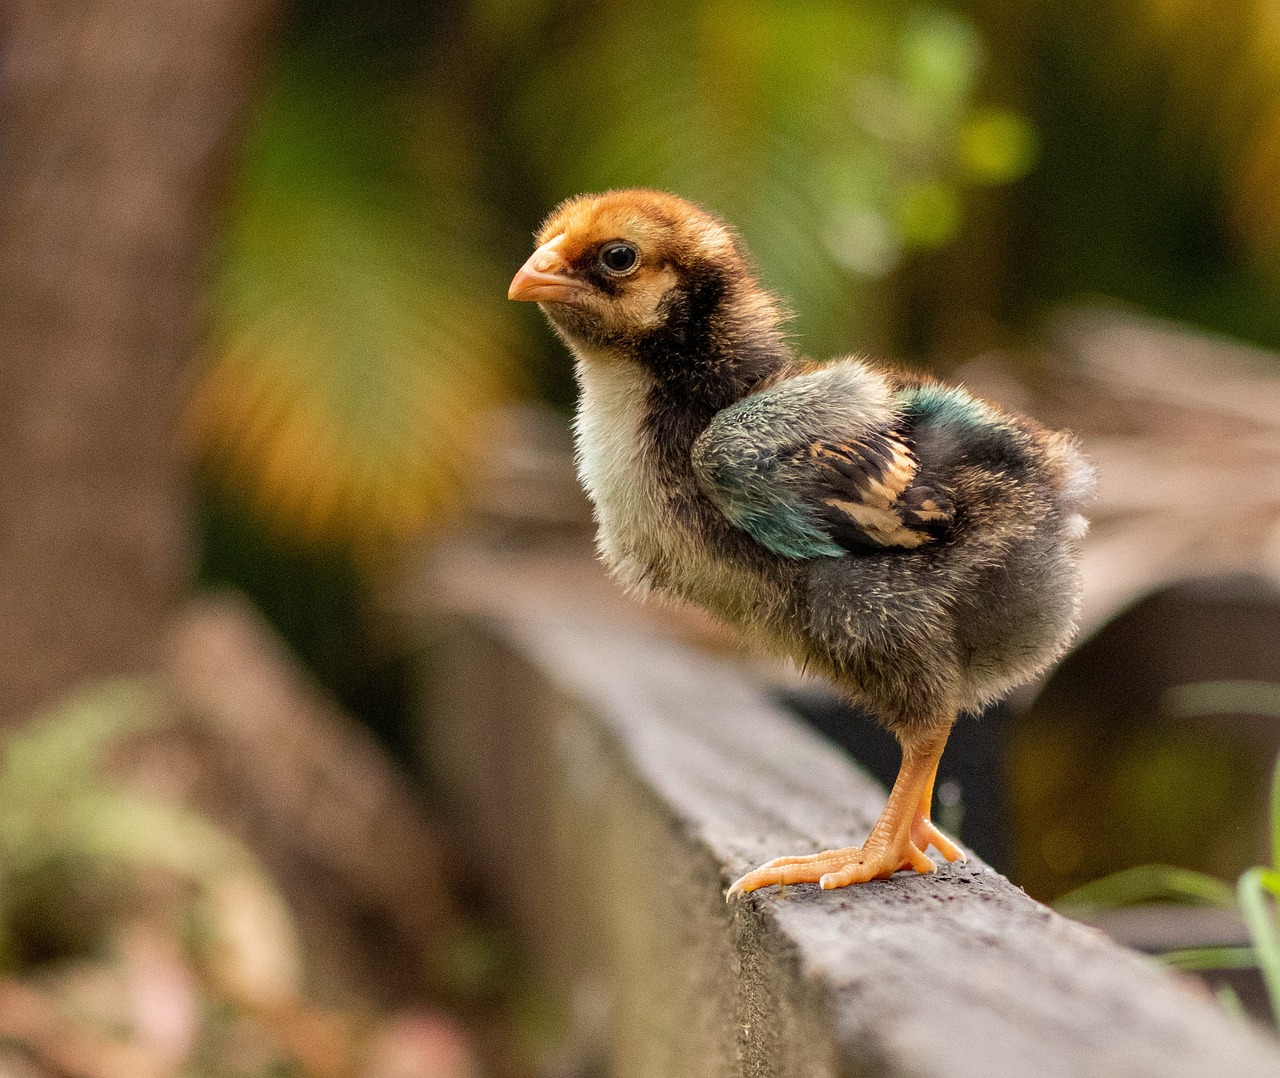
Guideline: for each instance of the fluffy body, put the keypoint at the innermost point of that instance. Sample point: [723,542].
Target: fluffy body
[913,543]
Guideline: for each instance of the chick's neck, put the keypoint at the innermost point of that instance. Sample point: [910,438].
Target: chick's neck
[720,341]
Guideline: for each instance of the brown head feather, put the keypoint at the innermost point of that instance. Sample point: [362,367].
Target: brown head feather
[680,246]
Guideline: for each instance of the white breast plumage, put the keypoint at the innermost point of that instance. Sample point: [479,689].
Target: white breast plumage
[636,528]
[646,546]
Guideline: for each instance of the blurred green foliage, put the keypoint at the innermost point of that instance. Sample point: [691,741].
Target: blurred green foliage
[353,342]
[836,137]
[1091,794]
[1159,126]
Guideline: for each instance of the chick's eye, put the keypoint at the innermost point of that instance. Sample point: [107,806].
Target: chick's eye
[618,258]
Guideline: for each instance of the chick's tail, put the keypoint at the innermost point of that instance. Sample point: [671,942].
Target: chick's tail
[1075,477]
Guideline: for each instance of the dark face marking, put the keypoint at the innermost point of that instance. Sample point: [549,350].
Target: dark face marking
[587,267]
[702,359]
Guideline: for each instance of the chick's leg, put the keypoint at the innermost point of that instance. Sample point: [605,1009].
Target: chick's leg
[890,845]
[924,833]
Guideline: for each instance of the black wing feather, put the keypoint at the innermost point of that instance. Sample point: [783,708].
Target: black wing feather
[870,496]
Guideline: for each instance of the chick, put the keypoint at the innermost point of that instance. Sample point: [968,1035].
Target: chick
[910,542]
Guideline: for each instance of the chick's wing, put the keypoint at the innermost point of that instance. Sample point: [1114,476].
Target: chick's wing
[871,494]
[820,465]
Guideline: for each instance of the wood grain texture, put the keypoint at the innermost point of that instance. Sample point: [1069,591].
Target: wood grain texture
[612,781]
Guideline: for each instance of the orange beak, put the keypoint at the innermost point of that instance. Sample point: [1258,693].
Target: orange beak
[544,277]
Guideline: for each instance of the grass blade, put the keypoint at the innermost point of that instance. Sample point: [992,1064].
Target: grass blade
[1258,887]
[1212,958]
[1147,883]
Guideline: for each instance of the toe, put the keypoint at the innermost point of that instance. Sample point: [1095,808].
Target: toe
[784,870]
[844,876]
[778,862]
[924,833]
[915,858]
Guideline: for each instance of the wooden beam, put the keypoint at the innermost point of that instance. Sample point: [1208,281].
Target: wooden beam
[610,781]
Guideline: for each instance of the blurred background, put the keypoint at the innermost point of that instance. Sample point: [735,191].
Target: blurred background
[257,363]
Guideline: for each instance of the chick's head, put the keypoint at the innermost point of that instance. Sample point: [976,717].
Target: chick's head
[617,268]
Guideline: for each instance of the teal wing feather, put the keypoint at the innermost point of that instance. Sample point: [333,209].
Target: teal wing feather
[809,473]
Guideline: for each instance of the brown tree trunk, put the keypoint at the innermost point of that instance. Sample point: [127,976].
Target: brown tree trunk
[115,121]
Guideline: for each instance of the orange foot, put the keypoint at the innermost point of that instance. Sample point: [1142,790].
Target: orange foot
[924,834]
[838,868]
[898,840]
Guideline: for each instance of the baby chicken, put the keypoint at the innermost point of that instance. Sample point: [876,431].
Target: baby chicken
[909,541]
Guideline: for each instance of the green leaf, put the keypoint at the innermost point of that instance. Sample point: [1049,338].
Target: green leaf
[1258,890]
[1230,1003]
[65,744]
[1147,883]
[143,832]
[1197,958]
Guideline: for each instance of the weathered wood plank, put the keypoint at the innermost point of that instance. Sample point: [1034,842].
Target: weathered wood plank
[614,781]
